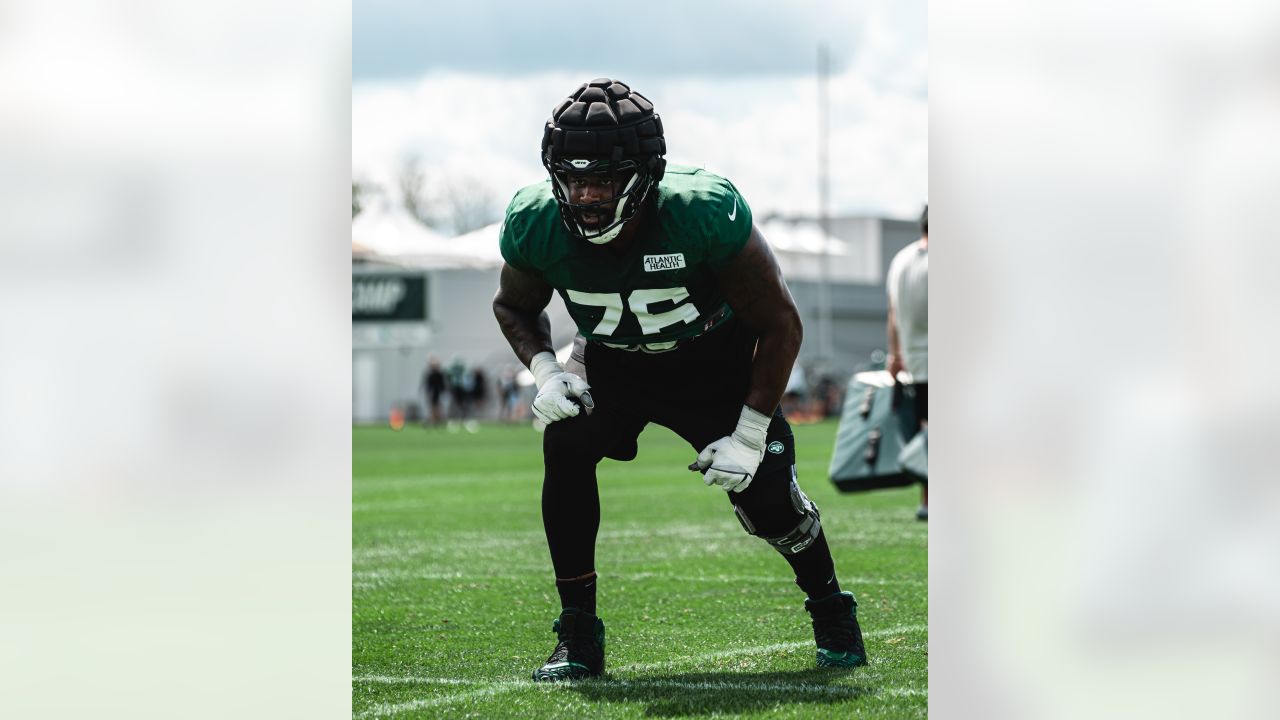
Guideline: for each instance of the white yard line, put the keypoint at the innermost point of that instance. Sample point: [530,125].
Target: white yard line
[758,649]
[694,542]
[389,709]
[506,540]
[415,680]
[383,574]
[502,686]
[800,687]
[782,577]
[491,687]
[686,531]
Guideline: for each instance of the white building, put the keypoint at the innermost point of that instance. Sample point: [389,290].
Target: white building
[415,294]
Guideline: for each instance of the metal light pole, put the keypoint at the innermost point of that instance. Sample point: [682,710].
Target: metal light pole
[824,221]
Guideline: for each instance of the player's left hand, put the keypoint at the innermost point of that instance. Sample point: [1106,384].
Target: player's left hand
[728,463]
[731,461]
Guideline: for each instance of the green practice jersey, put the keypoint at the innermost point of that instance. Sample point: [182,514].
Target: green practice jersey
[664,288]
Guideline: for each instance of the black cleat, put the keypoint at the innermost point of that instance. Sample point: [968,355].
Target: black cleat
[836,631]
[580,652]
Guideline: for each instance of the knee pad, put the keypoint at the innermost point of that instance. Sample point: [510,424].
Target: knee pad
[802,534]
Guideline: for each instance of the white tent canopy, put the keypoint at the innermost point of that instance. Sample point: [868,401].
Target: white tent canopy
[852,257]
[481,245]
[804,238]
[800,237]
[389,231]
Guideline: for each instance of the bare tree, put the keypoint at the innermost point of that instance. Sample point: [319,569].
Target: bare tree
[357,190]
[460,203]
[471,204]
[413,191]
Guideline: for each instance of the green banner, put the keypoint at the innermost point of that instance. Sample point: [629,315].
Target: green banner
[388,298]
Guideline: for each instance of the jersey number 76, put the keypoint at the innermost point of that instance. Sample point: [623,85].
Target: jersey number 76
[638,301]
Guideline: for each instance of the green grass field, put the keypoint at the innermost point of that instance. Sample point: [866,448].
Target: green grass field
[453,598]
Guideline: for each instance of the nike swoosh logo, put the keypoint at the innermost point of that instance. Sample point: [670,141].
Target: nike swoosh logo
[734,214]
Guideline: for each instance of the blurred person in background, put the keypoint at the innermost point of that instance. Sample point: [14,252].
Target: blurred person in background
[433,385]
[479,391]
[908,286]
[686,322]
[508,395]
[459,393]
[829,397]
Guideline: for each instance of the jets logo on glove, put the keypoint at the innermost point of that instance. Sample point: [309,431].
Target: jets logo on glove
[731,461]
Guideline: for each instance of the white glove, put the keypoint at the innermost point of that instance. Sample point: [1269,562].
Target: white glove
[555,388]
[731,461]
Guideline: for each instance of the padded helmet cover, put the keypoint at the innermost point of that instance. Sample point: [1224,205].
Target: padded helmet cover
[604,127]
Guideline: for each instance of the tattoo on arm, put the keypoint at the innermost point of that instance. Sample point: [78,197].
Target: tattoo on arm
[519,307]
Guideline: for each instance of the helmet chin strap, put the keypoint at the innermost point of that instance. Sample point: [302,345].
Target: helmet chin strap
[607,237]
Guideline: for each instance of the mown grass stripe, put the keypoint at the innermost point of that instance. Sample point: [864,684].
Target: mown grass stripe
[390,709]
[400,575]
[759,649]
[502,686]
[640,667]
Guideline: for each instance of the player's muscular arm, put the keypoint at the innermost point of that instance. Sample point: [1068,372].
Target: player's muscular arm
[519,307]
[753,285]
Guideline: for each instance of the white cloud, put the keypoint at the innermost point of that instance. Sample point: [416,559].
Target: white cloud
[760,132]
[483,126]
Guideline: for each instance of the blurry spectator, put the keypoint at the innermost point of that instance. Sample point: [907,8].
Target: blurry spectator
[479,391]
[459,393]
[830,397]
[433,384]
[413,412]
[908,287]
[508,396]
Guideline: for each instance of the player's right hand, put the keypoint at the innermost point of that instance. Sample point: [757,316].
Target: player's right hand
[554,402]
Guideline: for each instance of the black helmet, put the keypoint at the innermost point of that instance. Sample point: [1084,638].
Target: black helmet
[604,128]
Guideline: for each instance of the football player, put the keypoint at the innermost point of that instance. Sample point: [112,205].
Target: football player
[685,321]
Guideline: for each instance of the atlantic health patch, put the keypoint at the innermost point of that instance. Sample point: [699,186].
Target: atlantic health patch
[656,263]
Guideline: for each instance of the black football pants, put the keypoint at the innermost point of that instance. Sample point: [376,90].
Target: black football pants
[697,390]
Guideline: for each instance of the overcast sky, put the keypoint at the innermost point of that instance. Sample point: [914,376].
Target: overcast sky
[466,88]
